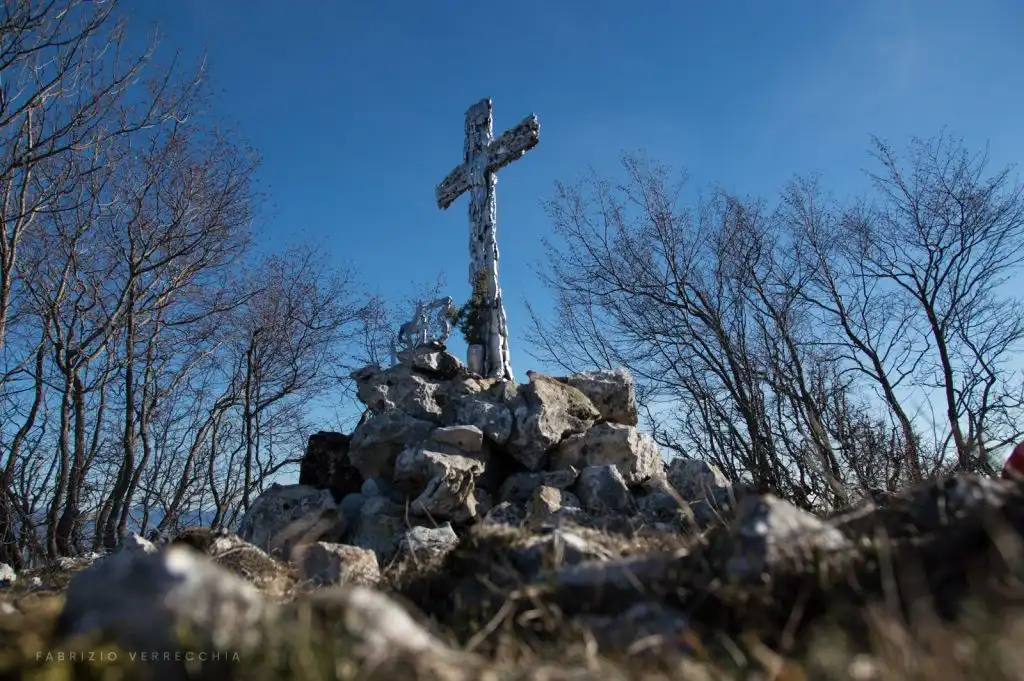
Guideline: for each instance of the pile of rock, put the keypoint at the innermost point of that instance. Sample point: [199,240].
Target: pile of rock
[444,449]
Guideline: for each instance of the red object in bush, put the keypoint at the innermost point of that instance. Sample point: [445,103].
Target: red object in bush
[1014,466]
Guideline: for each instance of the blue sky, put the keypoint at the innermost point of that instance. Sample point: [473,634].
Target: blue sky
[357,107]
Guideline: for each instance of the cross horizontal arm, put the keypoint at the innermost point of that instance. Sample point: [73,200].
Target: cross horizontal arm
[452,186]
[512,144]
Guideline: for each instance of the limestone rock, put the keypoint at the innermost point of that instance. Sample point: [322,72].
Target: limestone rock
[547,413]
[493,418]
[326,465]
[430,541]
[377,487]
[134,542]
[417,397]
[695,479]
[659,507]
[603,490]
[447,481]
[611,392]
[378,442]
[505,513]
[549,504]
[324,563]
[142,599]
[380,632]
[433,360]
[519,487]
[379,528]
[769,532]
[351,507]
[634,454]
[401,387]
[372,388]
[465,438]
[7,575]
[719,506]
[287,516]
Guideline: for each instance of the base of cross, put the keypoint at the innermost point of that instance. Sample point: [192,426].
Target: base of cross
[477,361]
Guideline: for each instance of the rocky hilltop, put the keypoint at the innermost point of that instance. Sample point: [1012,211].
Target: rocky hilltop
[475,529]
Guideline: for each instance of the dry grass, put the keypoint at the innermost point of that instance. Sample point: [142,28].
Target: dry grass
[949,606]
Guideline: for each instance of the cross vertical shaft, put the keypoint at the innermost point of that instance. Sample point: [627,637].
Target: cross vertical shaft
[483,157]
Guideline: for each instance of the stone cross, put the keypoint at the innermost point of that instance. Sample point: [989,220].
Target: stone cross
[484,157]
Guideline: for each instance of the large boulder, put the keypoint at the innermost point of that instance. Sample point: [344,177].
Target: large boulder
[326,465]
[610,391]
[602,490]
[380,439]
[694,479]
[492,417]
[143,600]
[401,388]
[611,444]
[445,478]
[285,517]
[465,438]
[380,528]
[546,413]
[325,563]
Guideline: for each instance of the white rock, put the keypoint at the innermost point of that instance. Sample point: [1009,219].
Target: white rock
[7,575]
[287,516]
[145,597]
[326,563]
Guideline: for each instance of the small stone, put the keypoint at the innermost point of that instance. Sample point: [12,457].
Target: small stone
[430,540]
[7,575]
[519,487]
[548,503]
[505,513]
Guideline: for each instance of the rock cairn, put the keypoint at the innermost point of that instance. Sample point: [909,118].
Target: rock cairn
[443,449]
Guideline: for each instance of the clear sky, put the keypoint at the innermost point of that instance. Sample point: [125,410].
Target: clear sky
[357,107]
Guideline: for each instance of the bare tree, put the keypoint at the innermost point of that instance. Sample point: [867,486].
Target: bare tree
[64,84]
[759,336]
[69,90]
[693,303]
[876,330]
[182,216]
[286,335]
[946,234]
